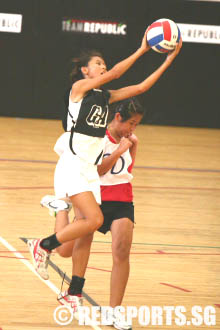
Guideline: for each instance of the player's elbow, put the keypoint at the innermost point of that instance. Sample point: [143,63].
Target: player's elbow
[143,87]
[116,73]
[140,89]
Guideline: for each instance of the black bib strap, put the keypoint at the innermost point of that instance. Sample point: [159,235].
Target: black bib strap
[71,138]
[98,158]
[65,105]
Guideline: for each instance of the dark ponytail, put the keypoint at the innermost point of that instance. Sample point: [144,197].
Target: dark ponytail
[79,62]
[76,74]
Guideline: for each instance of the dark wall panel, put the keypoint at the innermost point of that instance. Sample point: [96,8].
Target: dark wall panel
[35,64]
[16,62]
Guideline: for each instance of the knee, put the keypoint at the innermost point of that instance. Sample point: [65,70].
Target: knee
[64,254]
[96,222]
[99,221]
[121,252]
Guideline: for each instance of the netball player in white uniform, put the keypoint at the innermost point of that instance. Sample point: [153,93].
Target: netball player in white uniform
[76,171]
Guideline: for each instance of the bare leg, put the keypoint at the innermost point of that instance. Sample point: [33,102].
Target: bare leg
[80,257]
[81,250]
[62,220]
[122,233]
[93,218]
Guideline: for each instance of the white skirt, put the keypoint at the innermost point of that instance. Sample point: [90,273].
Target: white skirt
[74,175]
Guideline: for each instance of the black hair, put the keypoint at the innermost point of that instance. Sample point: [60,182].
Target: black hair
[82,60]
[127,108]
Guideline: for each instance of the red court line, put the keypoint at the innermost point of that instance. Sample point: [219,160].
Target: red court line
[158,252]
[18,188]
[143,167]
[12,257]
[176,287]
[14,251]
[103,270]
[178,169]
[135,187]
[217,305]
[162,253]
[27,161]
[176,188]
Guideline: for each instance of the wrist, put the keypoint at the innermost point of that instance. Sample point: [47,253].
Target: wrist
[167,62]
[142,51]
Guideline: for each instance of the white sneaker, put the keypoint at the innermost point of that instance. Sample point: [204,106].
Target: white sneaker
[55,205]
[74,302]
[121,326]
[40,258]
[115,322]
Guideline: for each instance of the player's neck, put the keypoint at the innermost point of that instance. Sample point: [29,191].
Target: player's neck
[113,133]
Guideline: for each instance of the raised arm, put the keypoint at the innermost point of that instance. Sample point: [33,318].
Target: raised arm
[82,86]
[129,91]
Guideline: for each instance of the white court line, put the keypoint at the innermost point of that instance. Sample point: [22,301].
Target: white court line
[29,265]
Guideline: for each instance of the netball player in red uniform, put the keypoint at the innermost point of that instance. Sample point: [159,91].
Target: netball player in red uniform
[117,206]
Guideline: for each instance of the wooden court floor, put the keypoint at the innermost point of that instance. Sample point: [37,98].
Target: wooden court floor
[175,257]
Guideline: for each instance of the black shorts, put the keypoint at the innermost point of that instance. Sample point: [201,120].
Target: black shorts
[113,211]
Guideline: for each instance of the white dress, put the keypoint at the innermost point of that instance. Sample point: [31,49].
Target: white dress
[77,172]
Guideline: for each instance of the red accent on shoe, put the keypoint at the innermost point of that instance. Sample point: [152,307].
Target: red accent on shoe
[35,247]
[78,295]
